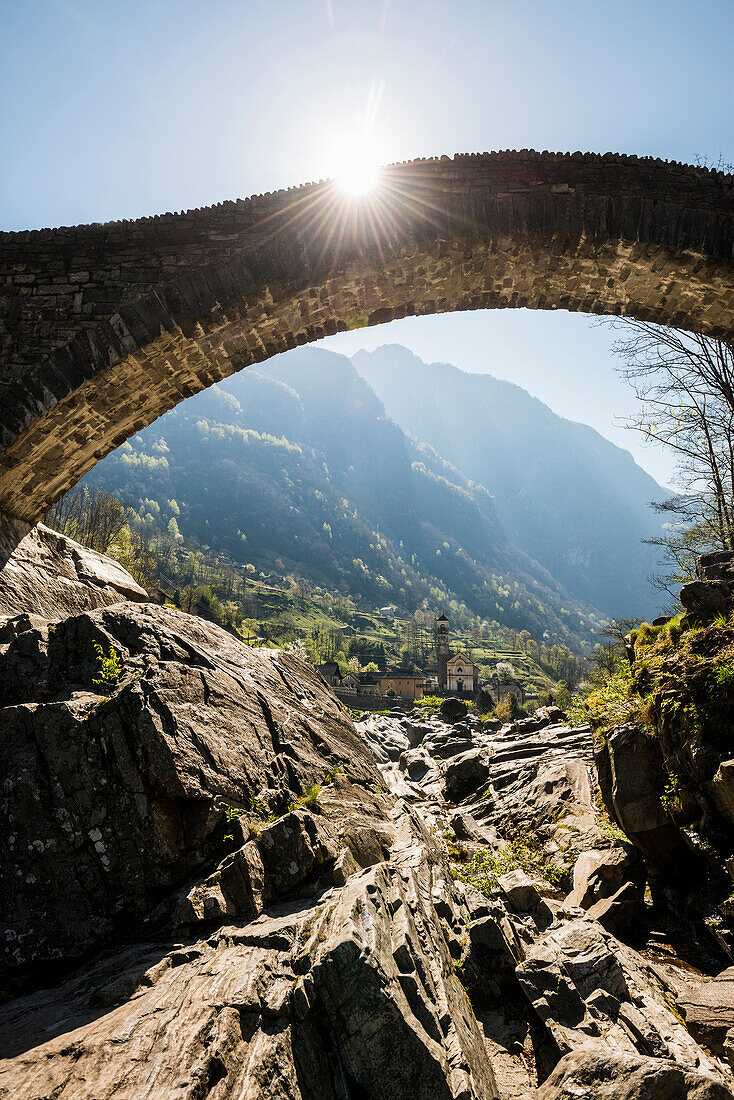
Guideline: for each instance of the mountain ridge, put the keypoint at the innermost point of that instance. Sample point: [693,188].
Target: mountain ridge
[480,423]
[298,461]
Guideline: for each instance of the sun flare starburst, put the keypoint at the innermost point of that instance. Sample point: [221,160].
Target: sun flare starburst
[354,146]
[355,164]
[358,174]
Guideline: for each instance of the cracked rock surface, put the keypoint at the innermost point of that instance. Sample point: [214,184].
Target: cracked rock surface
[217,886]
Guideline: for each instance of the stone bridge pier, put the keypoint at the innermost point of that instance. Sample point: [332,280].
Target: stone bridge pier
[105,327]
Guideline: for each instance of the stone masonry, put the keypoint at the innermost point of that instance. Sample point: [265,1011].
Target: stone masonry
[105,327]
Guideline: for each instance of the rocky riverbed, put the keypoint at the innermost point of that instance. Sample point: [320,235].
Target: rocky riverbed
[217,885]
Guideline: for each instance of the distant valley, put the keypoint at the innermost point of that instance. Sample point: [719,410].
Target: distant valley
[393,481]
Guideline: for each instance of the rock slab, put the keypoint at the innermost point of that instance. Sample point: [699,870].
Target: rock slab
[45,573]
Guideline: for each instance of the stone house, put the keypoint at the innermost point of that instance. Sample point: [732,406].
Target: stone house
[406,685]
[500,691]
[330,671]
[369,683]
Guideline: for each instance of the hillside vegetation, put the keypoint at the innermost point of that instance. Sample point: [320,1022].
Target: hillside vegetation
[296,469]
[285,610]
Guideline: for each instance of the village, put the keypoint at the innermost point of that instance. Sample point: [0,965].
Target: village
[456,675]
[375,657]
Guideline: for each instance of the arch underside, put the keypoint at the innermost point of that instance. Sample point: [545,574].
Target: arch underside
[62,434]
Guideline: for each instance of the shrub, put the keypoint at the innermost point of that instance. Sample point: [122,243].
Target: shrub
[429,702]
[484,868]
[670,798]
[110,666]
[261,810]
[309,799]
[485,702]
[644,635]
[563,696]
[508,709]
[724,674]
[610,702]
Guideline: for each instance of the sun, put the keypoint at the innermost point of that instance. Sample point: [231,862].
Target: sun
[354,144]
[357,172]
[354,158]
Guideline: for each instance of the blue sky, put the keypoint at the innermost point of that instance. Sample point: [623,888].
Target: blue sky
[119,109]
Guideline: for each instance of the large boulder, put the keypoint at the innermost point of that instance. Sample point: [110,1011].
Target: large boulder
[465,774]
[115,796]
[631,777]
[294,847]
[542,717]
[590,1074]
[708,1007]
[600,872]
[721,788]
[542,785]
[296,854]
[445,743]
[415,732]
[704,600]
[417,764]
[452,709]
[45,573]
[385,737]
[522,891]
[718,565]
[352,994]
[236,890]
[586,986]
[622,913]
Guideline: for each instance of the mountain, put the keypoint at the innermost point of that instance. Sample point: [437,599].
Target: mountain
[570,499]
[295,465]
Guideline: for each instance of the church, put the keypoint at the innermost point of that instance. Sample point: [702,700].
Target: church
[457,673]
[461,675]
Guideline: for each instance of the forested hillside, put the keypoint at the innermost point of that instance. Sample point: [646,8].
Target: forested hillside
[294,466]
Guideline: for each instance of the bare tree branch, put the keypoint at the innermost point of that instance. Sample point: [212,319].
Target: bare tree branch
[684,383]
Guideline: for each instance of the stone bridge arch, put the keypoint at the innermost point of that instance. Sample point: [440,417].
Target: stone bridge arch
[105,327]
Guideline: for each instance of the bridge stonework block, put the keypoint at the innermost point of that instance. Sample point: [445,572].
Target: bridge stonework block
[105,327]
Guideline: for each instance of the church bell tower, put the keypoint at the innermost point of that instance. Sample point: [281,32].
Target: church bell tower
[442,650]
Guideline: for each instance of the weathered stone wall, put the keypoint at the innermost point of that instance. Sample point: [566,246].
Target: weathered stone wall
[105,327]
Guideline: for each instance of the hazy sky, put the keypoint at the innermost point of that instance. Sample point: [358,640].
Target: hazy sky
[116,108]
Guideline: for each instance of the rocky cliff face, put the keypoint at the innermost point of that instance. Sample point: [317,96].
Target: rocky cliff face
[217,885]
[667,774]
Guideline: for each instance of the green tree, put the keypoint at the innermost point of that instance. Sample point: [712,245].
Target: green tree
[562,695]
